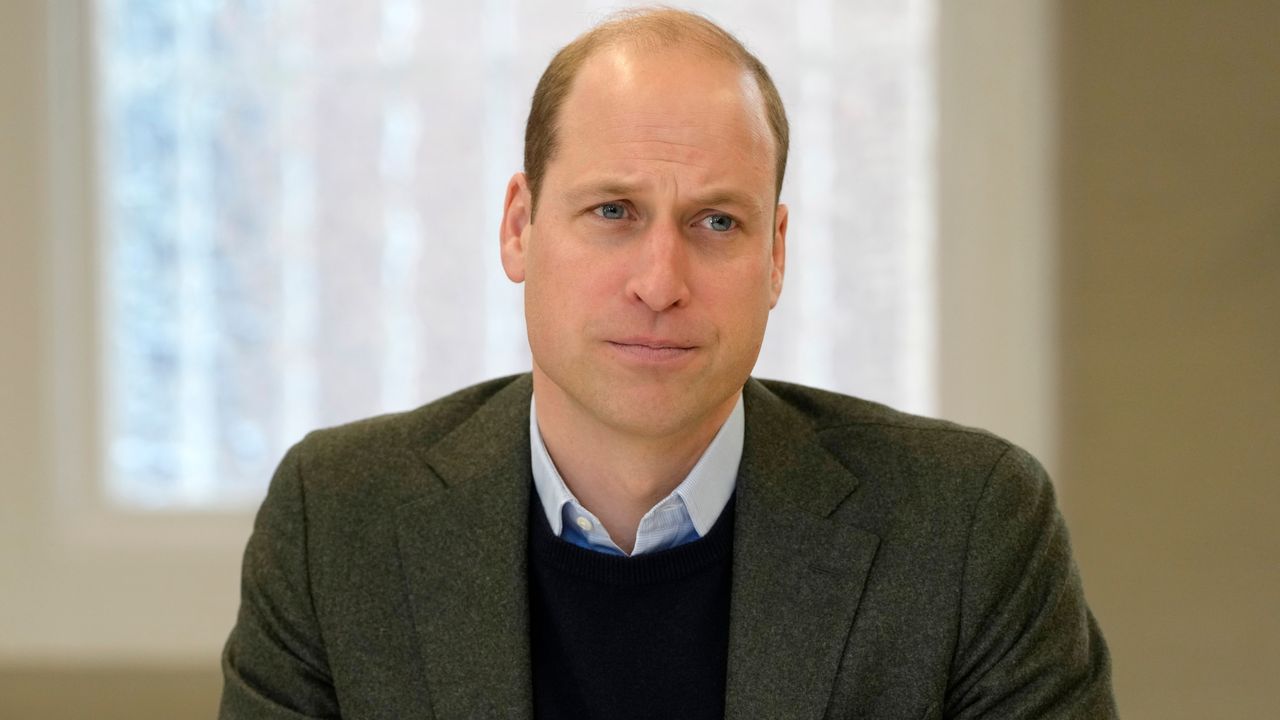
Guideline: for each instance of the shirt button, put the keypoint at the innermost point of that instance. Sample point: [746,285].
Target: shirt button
[584,523]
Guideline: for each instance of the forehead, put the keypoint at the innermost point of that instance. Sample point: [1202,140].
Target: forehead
[671,104]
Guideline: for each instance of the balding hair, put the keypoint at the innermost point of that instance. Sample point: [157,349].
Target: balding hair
[647,29]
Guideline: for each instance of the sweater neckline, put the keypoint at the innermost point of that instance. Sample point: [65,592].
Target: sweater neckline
[661,566]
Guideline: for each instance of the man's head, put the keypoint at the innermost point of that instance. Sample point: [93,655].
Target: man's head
[658,246]
[653,30]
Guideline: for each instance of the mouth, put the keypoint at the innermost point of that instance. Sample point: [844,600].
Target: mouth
[652,349]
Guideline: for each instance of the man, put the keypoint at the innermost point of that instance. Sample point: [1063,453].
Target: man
[637,528]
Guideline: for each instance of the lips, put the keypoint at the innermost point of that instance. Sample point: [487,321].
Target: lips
[654,343]
[648,349]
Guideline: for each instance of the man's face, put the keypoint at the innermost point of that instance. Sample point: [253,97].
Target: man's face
[657,251]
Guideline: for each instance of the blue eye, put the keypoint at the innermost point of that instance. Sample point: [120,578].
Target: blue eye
[720,223]
[611,211]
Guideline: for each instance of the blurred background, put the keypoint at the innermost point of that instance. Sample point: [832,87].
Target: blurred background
[223,223]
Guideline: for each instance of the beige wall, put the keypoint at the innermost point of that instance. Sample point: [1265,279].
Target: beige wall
[1166,343]
[1170,317]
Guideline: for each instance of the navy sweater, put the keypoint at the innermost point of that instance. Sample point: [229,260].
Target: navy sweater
[629,637]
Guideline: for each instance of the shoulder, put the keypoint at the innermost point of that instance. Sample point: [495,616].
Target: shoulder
[417,428]
[341,463]
[970,543]
[914,474]
[861,432]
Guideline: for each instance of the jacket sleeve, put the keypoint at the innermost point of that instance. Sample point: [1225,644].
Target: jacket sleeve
[274,663]
[1028,646]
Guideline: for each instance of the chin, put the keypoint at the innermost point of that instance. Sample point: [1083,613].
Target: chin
[656,412]
[659,422]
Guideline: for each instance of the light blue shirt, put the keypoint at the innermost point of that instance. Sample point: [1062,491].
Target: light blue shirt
[684,515]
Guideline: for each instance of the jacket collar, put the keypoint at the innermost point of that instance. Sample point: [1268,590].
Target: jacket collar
[797,573]
[463,554]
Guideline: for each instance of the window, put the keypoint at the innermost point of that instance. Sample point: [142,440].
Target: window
[161,586]
[299,206]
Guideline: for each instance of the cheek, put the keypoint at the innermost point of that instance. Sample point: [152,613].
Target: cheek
[562,292]
[744,286]
[571,278]
[547,311]
[739,301]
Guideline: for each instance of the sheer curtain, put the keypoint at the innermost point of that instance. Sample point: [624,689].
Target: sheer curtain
[300,204]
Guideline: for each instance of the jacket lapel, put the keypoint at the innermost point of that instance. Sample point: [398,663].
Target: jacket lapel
[797,573]
[463,553]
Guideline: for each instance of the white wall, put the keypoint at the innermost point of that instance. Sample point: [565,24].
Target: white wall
[996,220]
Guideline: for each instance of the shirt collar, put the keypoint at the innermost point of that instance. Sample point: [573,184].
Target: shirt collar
[704,491]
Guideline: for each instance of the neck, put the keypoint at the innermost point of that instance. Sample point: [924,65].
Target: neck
[616,474]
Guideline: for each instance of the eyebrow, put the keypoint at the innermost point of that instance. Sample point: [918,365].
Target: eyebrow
[720,198]
[613,188]
[599,190]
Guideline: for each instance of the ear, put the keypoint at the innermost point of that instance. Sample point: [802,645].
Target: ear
[779,253]
[517,221]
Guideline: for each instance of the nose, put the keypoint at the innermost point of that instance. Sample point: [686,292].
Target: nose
[660,276]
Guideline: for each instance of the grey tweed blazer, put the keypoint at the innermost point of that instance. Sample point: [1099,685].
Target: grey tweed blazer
[885,566]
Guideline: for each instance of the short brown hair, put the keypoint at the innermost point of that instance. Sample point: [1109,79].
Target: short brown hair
[651,28]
